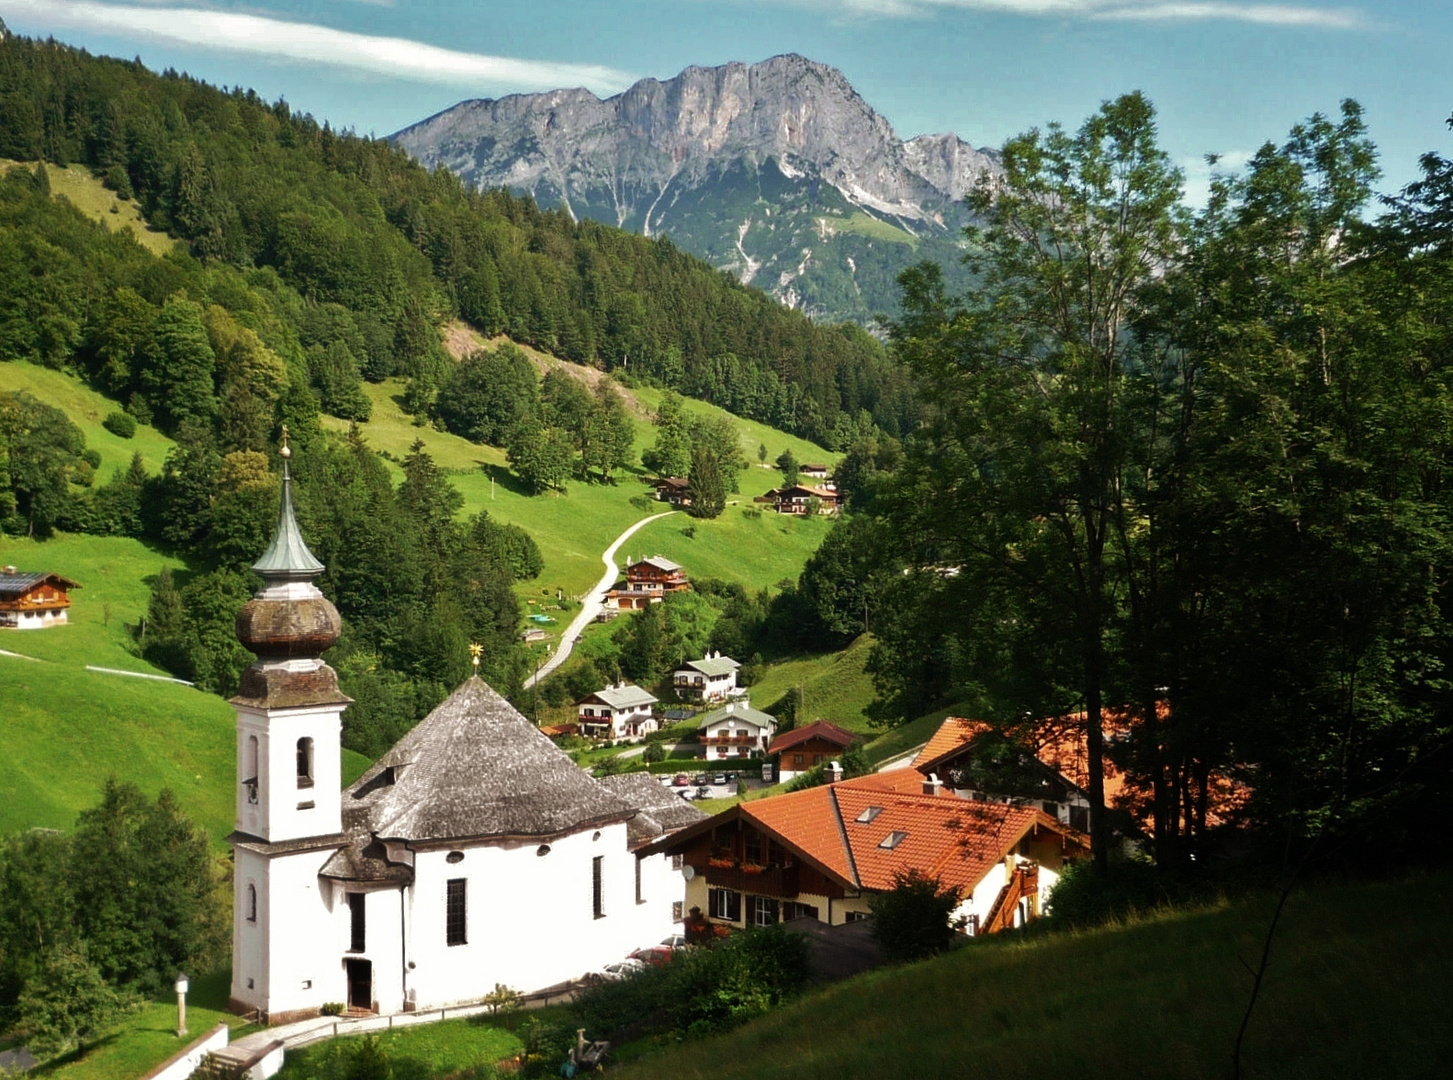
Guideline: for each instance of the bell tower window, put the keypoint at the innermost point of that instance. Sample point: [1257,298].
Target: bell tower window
[251,903]
[305,763]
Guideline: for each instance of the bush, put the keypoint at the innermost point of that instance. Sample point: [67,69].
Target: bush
[654,752]
[332,1008]
[120,424]
[703,989]
[1084,897]
[911,920]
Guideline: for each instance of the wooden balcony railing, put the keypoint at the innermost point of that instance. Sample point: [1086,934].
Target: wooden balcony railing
[780,881]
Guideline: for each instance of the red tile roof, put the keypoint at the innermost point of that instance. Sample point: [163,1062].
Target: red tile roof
[818,729]
[951,734]
[955,840]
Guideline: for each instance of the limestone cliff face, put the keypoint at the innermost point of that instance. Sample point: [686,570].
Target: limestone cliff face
[779,171]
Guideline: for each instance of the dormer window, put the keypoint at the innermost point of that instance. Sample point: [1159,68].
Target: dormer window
[305,763]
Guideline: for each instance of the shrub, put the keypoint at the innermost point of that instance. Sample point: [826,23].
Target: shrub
[1084,897]
[654,752]
[911,920]
[120,424]
[332,1008]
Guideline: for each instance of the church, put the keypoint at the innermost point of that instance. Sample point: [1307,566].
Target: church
[473,853]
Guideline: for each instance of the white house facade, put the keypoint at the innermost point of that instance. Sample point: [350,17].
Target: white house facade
[736,730]
[712,678]
[618,712]
[473,853]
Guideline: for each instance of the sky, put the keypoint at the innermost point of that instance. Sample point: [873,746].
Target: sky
[1225,75]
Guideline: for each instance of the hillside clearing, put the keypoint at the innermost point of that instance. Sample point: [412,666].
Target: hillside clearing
[834,686]
[98,202]
[1357,987]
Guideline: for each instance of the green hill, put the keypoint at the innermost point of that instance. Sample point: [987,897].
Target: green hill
[66,729]
[1357,987]
[833,686]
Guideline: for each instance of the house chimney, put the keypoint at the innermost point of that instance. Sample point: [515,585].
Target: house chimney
[932,785]
[834,772]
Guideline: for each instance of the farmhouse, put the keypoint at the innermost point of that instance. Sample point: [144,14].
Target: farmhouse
[617,712]
[712,678]
[647,581]
[672,489]
[736,730]
[821,853]
[473,853]
[802,748]
[818,474]
[801,499]
[33,601]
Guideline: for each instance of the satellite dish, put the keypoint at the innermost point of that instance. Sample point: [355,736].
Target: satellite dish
[688,871]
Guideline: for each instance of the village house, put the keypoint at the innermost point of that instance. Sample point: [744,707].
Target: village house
[801,499]
[33,601]
[618,712]
[672,489]
[822,852]
[804,748]
[473,853]
[712,678]
[735,731]
[647,581]
[1047,765]
[817,474]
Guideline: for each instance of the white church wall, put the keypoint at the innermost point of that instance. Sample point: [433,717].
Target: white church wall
[286,809]
[662,888]
[530,917]
[293,953]
[383,943]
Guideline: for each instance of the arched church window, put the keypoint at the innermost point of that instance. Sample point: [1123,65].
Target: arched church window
[305,762]
[251,903]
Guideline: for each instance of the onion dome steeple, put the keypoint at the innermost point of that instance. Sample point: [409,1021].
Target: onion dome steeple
[288,624]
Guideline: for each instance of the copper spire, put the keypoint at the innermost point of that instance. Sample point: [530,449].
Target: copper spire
[287,558]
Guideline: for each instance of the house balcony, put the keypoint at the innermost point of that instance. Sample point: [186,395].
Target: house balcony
[730,740]
[780,881]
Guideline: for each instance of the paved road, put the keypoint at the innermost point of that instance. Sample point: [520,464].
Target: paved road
[591,605]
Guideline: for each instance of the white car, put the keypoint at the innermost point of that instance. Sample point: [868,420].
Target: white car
[621,968]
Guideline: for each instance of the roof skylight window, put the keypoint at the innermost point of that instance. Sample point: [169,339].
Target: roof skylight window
[868,815]
[893,839]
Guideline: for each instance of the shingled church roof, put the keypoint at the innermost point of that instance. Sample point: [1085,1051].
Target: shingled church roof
[662,810]
[474,768]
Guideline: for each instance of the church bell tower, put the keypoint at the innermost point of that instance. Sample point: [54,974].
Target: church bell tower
[289,732]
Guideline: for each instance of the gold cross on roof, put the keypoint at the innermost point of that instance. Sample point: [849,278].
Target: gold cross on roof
[475,649]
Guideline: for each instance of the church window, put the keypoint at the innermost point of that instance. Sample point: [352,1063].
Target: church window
[305,763]
[251,903]
[357,924]
[455,914]
[597,886]
[639,898]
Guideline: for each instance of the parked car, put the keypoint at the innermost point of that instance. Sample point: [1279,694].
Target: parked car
[621,968]
[681,780]
[699,778]
[719,778]
[731,777]
[652,954]
[674,941]
[703,792]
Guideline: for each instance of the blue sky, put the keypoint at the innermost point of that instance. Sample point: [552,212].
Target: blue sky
[1226,75]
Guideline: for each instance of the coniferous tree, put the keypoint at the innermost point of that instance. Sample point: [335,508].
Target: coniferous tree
[704,485]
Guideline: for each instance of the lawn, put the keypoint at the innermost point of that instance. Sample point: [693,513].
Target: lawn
[834,686]
[100,203]
[67,729]
[900,740]
[1357,988]
[149,1036]
[86,408]
[422,1052]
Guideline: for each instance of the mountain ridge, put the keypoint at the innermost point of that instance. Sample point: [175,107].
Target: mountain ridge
[711,155]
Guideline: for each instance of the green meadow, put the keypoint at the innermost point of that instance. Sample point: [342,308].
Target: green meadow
[67,729]
[87,194]
[1357,987]
[834,686]
[86,409]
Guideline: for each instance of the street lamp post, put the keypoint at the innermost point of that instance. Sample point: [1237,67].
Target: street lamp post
[181,987]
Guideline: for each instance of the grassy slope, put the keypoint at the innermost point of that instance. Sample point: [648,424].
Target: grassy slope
[86,409]
[834,685]
[1357,987]
[95,200]
[867,225]
[428,1050]
[66,729]
[898,741]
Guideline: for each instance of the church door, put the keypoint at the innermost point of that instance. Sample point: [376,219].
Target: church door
[360,984]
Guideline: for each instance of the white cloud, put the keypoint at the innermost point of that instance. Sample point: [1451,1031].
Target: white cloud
[1123,10]
[308,43]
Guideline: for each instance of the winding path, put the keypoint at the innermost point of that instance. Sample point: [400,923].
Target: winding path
[591,605]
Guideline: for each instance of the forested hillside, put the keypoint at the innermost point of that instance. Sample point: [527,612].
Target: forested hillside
[378,250]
